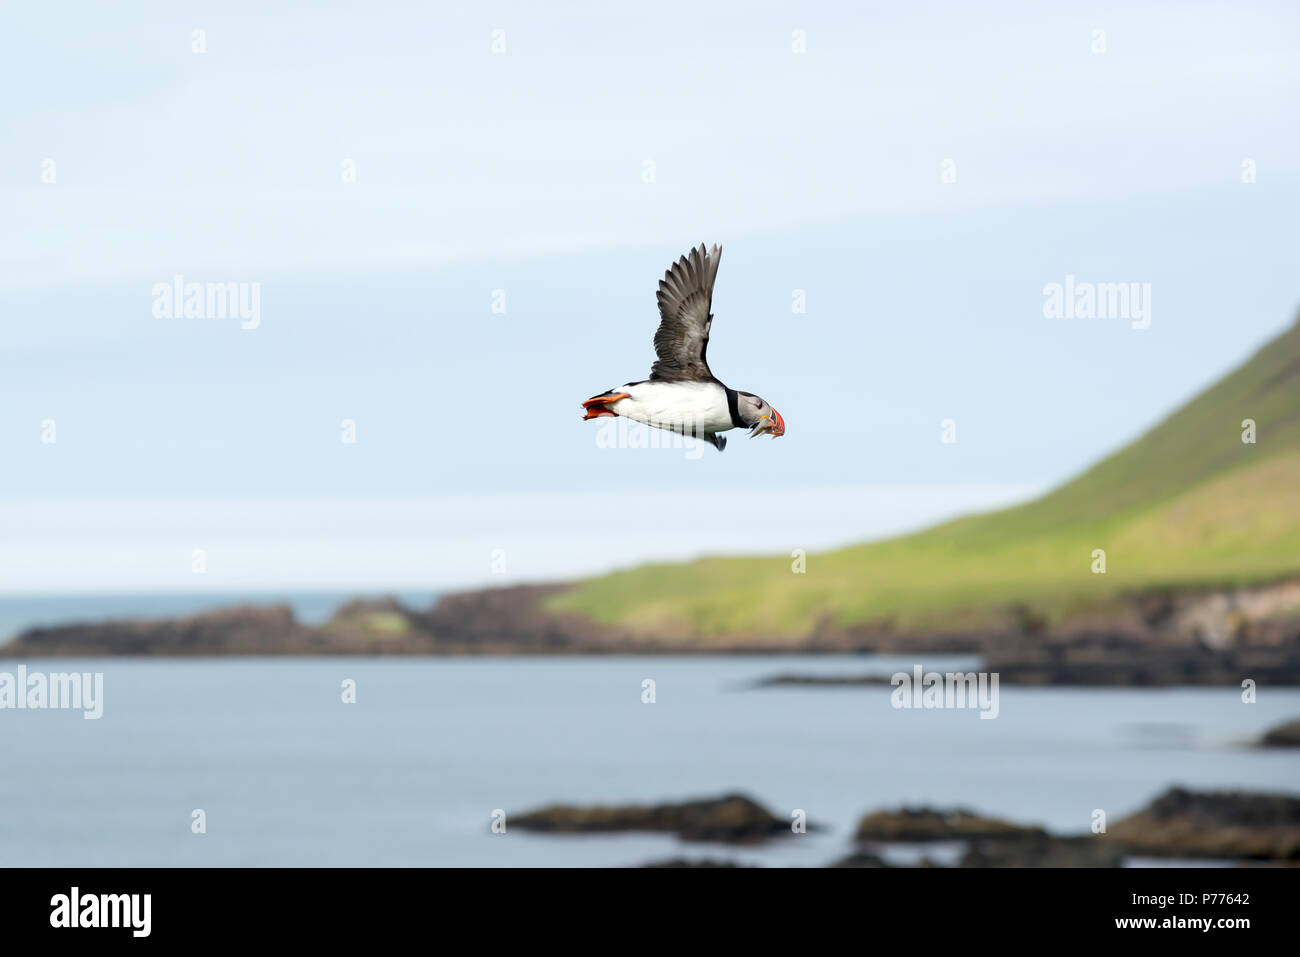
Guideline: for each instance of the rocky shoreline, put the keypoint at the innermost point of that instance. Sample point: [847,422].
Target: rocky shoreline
[1157,639]
[1226,826]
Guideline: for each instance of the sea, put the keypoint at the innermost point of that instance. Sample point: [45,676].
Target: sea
[411,761]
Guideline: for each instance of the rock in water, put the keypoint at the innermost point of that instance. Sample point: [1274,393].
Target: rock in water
[733,819]
[1215,824]
[1283,736]
[929,824]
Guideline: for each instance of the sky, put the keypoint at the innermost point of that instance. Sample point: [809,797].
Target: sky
[455,218]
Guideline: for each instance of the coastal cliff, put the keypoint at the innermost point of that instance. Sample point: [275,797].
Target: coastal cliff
[1175,560]
[1157,640]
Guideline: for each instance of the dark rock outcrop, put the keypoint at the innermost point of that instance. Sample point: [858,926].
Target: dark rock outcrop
[1229,825]
[1217,824]
[1102,658]
[379,626]
[929,824]
[1283,736]
[511,620]
[243,630]
[733,819]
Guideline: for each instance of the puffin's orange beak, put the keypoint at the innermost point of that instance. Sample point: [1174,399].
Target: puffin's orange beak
[772,425]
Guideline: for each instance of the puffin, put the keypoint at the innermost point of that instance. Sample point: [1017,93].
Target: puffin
[682,394]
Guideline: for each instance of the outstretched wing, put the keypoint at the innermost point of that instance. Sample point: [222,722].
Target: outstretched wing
[685,296]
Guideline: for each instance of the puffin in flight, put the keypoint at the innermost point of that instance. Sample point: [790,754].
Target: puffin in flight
[682,395]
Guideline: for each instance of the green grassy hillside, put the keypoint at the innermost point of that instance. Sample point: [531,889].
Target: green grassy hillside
[1188,503]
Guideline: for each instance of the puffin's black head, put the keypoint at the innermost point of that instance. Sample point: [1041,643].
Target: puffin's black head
[758,416]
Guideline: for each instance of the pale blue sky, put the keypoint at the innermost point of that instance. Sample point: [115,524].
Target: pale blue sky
[522,171]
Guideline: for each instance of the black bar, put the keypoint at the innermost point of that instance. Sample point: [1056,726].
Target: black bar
[332,906]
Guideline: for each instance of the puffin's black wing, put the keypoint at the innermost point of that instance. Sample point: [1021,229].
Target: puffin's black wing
[685,295]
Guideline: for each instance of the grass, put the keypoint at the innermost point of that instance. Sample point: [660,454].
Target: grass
[1188,504]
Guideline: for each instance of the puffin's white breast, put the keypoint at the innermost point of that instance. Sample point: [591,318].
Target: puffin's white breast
[688,407]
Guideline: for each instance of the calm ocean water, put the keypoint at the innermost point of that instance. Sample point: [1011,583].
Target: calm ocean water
[411,774]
